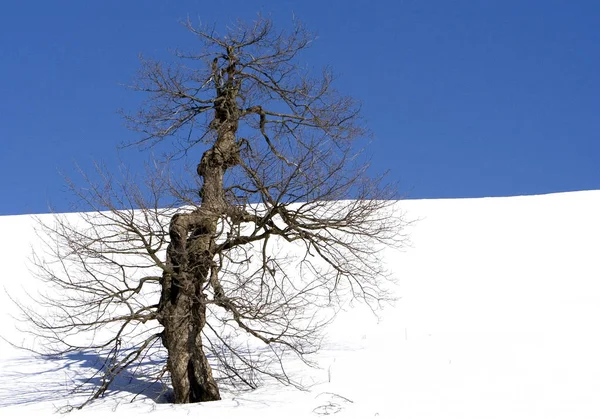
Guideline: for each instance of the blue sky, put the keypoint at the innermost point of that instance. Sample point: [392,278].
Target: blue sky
[465,98]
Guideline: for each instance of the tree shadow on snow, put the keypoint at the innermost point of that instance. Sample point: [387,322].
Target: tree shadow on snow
[38,379]
[136,381]
[71,378]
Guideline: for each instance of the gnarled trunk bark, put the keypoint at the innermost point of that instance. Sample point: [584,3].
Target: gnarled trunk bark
[182,310]
[182,307]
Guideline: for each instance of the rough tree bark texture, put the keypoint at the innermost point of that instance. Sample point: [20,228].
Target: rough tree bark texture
[182,308]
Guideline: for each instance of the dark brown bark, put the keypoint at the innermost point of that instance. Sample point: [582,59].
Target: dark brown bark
[182,312]
[182,309]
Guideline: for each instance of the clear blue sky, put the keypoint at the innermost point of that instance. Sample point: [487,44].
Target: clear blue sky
[465,98]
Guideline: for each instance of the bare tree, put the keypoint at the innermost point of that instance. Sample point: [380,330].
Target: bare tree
[250,262]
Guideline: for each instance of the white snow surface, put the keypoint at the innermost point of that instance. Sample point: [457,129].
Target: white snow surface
[498,316]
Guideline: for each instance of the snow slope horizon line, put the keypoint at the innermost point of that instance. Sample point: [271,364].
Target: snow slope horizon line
[407,199]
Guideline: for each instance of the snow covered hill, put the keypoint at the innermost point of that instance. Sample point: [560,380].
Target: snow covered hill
[498,316]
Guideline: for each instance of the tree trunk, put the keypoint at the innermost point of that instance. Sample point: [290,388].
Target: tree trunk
[182,307]
[183,311]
